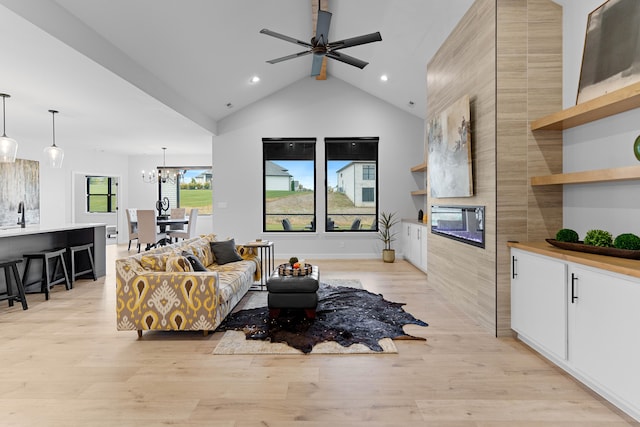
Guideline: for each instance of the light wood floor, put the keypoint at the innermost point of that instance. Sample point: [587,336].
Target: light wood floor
[64,364]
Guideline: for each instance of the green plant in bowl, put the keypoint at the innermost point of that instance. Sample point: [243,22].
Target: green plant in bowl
[600,238]
[567,235]
[627,241]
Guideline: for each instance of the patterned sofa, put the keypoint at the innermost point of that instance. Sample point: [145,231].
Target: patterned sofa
[159,289]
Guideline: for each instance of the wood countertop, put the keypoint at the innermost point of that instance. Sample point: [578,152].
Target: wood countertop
[629,267]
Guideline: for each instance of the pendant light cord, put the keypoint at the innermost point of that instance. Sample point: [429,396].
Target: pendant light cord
[4,124]
[53,119]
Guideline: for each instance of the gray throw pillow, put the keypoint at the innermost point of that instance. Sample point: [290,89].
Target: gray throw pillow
[195,262]
[225,252]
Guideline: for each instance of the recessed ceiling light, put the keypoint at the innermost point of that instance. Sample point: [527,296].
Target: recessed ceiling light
[253,80]
[384,78]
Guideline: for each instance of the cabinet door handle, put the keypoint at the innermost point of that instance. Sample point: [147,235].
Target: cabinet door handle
[513,267]
[574,278]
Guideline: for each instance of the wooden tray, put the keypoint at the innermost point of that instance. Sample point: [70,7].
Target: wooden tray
[598,250]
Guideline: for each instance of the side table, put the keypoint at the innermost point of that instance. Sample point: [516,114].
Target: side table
[267,260]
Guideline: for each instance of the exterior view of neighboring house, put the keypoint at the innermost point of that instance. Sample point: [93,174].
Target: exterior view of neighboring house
[276,177]
[357,180]
[203,178]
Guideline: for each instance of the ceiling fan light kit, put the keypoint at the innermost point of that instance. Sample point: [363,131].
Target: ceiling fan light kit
[320,46]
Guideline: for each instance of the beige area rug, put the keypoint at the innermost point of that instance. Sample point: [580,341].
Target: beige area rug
[235,342]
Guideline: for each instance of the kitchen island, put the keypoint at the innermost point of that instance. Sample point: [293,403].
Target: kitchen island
[15,241]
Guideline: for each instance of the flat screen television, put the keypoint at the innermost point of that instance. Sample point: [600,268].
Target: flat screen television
[462,223]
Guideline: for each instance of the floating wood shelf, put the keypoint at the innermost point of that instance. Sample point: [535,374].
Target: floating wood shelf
[419,192]
[419,168]
[600,175]
[619,101]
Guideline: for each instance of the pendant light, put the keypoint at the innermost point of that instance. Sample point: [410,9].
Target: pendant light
[54,154]
[8,146]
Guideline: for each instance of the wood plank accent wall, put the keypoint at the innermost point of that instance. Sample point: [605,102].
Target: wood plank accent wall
[506,54]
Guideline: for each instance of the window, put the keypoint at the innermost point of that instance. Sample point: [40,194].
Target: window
[368,172]
[352,186]
[368,194]
[191,189]
[289,202]
[102,194]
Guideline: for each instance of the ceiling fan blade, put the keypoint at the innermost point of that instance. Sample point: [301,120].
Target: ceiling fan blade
[283,37]
[347,59]
[322,27]
[316,67]
[293,56]
[355,41]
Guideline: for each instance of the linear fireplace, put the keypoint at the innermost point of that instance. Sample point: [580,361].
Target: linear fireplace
[462,223]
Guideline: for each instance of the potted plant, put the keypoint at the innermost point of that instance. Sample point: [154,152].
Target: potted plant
[385,233]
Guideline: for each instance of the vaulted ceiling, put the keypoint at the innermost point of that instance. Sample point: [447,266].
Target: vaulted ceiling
[136,75]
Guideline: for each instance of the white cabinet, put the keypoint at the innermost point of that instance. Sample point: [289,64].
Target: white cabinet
[414,244]
[604,327]
[539,301]
[584,319]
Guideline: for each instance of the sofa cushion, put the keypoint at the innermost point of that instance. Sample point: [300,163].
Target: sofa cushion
[195,262]
[155,262]
[225,251]
[178,263]
[202,250]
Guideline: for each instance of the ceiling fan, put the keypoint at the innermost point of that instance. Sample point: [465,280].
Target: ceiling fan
[320,46]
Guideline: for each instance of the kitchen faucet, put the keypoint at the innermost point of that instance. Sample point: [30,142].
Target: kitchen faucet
[21,210]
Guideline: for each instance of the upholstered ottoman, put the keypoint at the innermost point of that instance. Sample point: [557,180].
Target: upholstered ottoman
[293,292]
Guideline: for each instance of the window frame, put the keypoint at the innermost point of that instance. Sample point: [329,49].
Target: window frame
[179,182]
[350,151]
[109,195]
[289,149]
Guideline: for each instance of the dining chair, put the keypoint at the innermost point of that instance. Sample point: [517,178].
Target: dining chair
[176,213]
[191,227]
[133,228]
[147,229]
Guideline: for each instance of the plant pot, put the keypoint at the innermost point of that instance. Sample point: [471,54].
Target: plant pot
[388,255]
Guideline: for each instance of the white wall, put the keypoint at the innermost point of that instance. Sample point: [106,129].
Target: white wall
[56,195]
[312,108]
[605,143]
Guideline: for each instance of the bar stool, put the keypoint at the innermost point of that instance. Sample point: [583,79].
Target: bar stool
[73,250]
[47,280]
[11,266]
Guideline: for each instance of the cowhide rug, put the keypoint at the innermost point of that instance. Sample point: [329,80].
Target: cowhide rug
[344,315]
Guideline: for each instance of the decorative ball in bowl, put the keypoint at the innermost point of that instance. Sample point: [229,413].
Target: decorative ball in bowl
[294,270]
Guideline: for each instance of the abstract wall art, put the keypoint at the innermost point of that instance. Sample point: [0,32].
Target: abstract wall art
[611,56]
[449,144]
[19,182]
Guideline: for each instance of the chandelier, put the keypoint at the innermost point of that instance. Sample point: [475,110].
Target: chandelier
[162,174]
